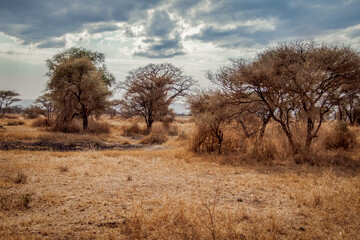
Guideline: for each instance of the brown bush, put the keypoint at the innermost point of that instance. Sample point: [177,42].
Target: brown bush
[20,178]
[72,127]
[340,137]
[158,135]
[167,120]
[76,127]
[202,140]
[41,122]
[15,123]
[173,130]
[98,127]
[132,130]
[10,116]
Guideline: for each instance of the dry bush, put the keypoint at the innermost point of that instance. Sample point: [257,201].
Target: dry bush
[182,136]
[72,127]
[133,130]
[167,120]
[15,202]
[340,137]
[10,116]
[202,141]
[15,123]
[172,130]
[98,127]
[63,168]
[198,220]
[76,127]
[41,122]
[158,135]
[20,178]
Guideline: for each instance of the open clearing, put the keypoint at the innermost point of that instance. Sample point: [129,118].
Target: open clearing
[170,193]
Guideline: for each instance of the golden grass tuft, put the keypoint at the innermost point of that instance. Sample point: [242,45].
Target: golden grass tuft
[158,135]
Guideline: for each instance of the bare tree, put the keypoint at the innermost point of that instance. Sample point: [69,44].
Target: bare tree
[151,89]
[7,98]
[45,107]
[295,81]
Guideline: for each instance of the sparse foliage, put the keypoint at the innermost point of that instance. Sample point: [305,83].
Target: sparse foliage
[7,97]
[293,82]
[151,89]
[212,116]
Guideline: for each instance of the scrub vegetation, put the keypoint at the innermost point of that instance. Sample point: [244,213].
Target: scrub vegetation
[270,152]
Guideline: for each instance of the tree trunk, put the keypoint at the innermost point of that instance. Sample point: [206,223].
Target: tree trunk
[149,123]
[220,136]
[85,122]
[263,127]
[288,134]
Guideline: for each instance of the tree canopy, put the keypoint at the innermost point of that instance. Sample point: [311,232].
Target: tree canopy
[77,86]
[7,97]
[151,89]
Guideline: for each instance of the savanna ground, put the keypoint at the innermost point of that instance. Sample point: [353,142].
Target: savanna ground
[132,190]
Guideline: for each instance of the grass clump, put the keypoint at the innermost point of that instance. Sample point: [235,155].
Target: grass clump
[15,123]
[158,135]
[20,178]
[133,130]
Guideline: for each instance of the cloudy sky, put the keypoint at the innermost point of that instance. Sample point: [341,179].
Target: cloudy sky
[196,35]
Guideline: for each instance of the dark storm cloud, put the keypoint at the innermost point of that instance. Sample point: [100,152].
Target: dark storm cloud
[165,48]
[235,37]
[160,24]
[222,21]
[292,19]
[38,20]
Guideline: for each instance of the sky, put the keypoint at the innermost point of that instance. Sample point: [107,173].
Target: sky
[195,35]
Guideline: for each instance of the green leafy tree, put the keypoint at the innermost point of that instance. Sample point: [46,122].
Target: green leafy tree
[79,84]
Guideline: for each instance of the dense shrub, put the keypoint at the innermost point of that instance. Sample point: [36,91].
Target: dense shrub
[340,137]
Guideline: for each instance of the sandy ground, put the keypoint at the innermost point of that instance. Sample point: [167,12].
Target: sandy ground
[167,192]
[92,194]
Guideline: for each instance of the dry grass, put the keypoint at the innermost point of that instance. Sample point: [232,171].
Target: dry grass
[173,193]
[158,135]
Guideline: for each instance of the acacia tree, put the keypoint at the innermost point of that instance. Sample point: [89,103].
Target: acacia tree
[151,89]
[7,98]
[79,84]
[296,81]
[45,107]
[212,114]
[78,89]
